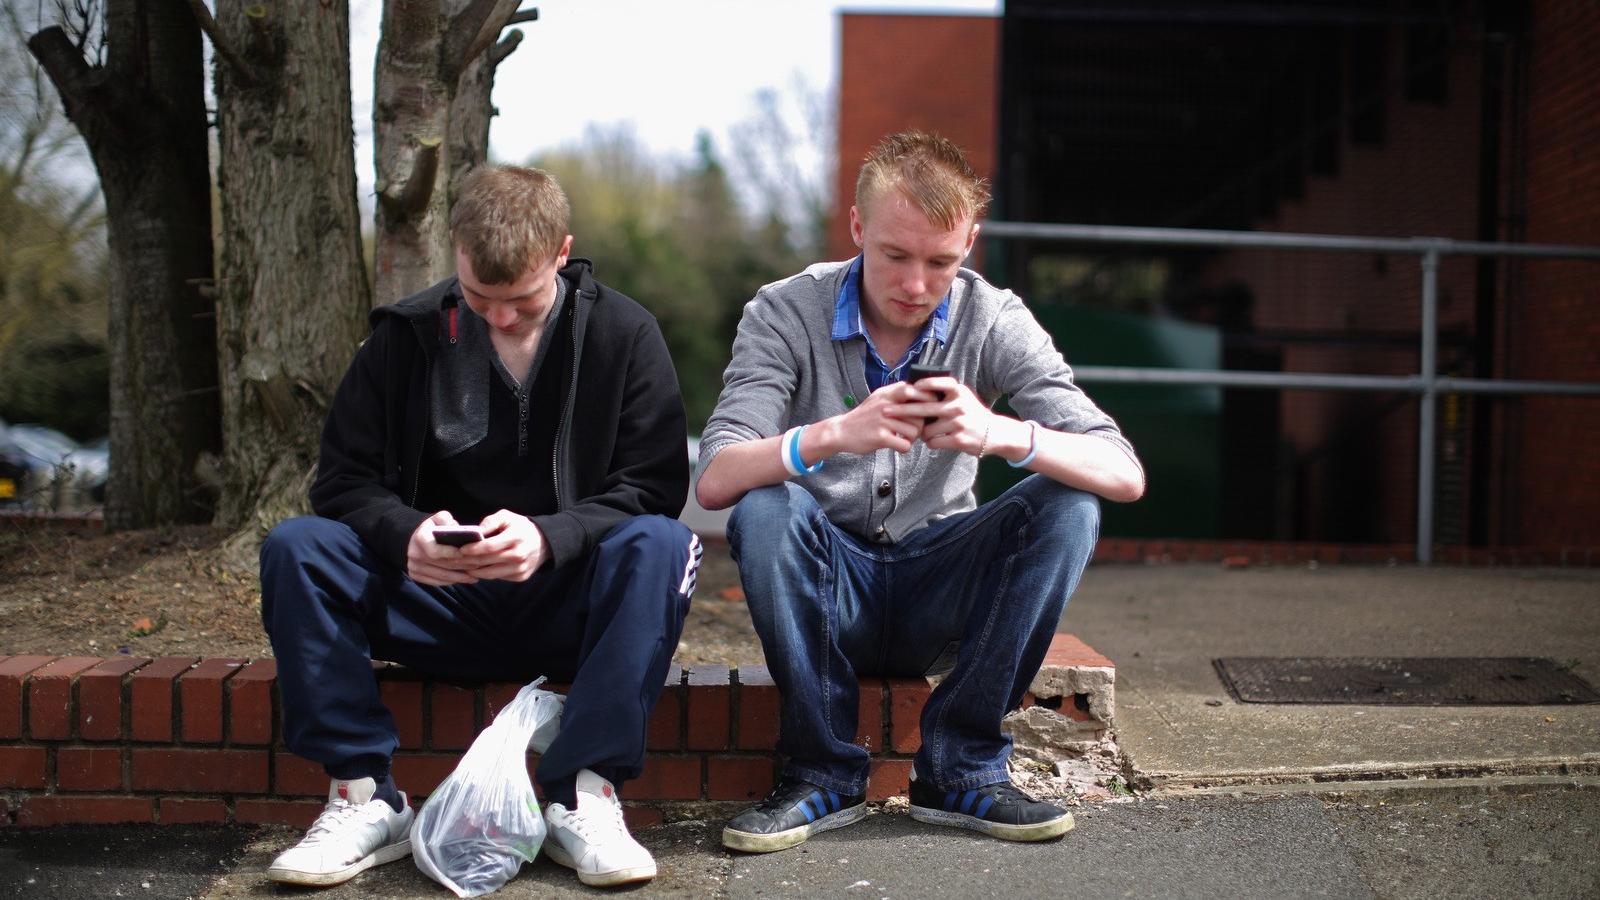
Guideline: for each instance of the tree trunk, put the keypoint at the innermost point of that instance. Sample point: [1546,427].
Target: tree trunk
[293,291]
[143,116]
[471,112]
[427,50]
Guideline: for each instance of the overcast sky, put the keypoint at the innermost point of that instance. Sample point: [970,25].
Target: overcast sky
[667,69]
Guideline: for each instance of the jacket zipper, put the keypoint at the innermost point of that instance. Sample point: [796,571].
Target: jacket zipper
[572,391]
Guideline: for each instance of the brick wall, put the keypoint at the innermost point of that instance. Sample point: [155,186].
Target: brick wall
[938,73]
[1422,180]
[183,740]
[1553,471]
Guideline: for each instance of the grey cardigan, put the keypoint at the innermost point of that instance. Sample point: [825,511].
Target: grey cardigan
[787,370]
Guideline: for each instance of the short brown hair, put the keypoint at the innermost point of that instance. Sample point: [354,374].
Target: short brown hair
[509,219]
[931,170]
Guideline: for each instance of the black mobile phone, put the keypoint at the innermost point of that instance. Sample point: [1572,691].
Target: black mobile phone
[457,535]
[919,371]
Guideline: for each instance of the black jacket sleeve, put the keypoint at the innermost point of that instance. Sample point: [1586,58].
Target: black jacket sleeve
[357,481]
[648,470]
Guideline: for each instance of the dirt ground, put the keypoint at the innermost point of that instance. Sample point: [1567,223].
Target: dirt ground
[73,591]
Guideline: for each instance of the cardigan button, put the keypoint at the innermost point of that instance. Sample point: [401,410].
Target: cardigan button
[885,489]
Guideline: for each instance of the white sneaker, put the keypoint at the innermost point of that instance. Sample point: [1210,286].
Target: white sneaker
[354,833]
[593,839]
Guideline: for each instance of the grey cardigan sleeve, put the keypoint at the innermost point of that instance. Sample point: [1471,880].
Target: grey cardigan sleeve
[759,384]
[1022,361]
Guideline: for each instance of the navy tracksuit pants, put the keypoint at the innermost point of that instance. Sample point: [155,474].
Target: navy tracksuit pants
[608,623]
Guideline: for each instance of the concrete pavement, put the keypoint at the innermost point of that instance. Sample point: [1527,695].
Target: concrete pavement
[1164,624]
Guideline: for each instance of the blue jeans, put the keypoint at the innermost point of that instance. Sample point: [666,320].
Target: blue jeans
[987,587]
[608,623]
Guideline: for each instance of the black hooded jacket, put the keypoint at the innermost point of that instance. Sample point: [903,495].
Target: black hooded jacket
[620,447]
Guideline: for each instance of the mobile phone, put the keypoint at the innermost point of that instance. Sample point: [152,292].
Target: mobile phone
[457,535]
[919,371]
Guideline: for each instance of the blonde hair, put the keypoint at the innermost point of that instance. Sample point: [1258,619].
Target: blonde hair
[509,219]
[931,171]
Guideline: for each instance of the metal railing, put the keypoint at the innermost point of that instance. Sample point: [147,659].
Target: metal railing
[1427,384]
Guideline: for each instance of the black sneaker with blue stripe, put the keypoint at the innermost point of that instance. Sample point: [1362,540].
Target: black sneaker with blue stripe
[794,811]
[998,810]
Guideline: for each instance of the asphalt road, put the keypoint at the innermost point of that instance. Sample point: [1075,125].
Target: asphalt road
[1478,839]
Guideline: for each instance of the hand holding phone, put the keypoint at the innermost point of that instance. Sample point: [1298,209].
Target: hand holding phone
[457,535]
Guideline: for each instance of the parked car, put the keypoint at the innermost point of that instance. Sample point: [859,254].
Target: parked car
[13,470]
[93,464]
[56,473]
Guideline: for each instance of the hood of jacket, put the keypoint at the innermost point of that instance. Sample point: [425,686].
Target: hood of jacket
[431,313]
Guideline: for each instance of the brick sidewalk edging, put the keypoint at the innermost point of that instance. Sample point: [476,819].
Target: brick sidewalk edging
[181,740]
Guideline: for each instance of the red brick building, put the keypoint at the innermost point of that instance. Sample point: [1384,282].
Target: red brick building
[1550,471]
[1468,121]
[931,72]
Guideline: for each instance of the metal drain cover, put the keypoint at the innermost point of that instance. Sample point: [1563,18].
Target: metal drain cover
[1403,681]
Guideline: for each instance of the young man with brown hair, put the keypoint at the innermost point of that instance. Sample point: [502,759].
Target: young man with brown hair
[858,538]
[529,400]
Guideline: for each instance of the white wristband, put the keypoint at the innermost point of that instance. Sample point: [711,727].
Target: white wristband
[1033,446]
[784,453]
[789,452]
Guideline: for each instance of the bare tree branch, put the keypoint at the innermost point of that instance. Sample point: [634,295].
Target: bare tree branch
[15,21]
[483,20]
[87,202]
[28,142]
[205,287]
[523,16]
[263,41]
[505,48]
[79,19]
[202,16]
[64,64]
[409,197]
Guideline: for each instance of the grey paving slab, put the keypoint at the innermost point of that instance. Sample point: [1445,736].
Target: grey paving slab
[77,861]
[1163,625]
[1271,848]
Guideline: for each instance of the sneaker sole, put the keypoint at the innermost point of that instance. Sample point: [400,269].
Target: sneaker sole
[1041,831]
[750,842]
[558,855]
[389,854]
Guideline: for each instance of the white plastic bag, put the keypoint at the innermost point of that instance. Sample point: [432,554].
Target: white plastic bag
[483,822]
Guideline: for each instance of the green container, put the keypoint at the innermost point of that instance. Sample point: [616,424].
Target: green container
[1176,429]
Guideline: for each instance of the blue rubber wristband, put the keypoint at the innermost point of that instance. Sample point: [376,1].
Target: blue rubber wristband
[797,462]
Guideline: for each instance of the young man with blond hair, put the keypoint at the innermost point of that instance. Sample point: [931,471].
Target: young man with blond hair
[525,399]
[858,538]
